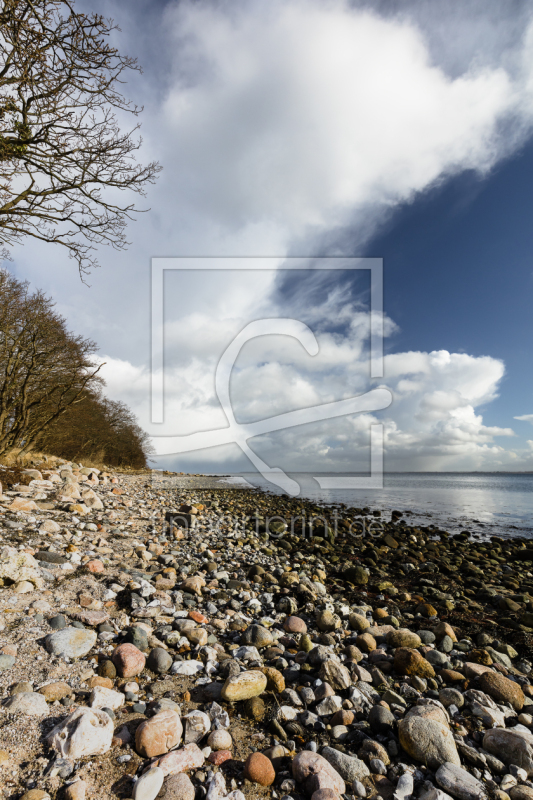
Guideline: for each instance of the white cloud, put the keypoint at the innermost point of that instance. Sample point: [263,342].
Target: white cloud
[301,114]
[277,122]
[526,418]
[432,423]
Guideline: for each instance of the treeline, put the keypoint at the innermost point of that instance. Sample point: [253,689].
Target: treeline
[50,389]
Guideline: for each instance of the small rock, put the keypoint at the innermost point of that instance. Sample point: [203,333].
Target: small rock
[70,642]
[220,740]
[336,675]
[460,783]
[56,691]
[316,772]
[243,686]
[403,637]
[177,787]
[6,662]
[257,636]
[83,733]
[428,741]
[76,790]
[294,625]
[158,735]
[95,566]
[255,708]
[32,704]
[101,697]
[197,724]
[128,660]
[159,661]
[149,784]
[411,662]
[188,757]
[502,689]
[259,769]
[349,768]
[327,621]
[511,746]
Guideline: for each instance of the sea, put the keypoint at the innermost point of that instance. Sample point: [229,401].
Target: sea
[483,503]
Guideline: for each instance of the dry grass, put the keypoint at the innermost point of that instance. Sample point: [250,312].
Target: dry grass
[15,461]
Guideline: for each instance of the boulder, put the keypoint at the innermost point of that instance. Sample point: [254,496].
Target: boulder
[159,734]
[460,783]
[411,662]
[502,689]
[511,746]
[243,686]
[70,642]
[83,733]
[428,741]
[349,768]
[315,772]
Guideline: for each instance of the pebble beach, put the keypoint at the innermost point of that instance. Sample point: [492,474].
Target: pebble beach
[164,637]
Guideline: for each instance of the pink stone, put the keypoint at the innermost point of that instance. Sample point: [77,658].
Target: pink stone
[325,794]
[188,757]
[475,670]
[294,625]
[219,757]
[197,617]
[95,566]
[128,660]
[20,504]
[91,617]
[159,734]
[316,772]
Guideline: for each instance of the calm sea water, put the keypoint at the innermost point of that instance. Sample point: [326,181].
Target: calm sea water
[484,503]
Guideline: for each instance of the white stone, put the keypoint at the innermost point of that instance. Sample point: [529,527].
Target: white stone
[18,567]
[507,783]
[49,526]
[329,705]
[91,499]
[101,697]
[404,787]
[287,713]
[149,784]
[217,787]
[83,733]
[186,667]
[434,794]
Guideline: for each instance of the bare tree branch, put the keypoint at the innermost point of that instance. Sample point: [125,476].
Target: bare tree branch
[63,156]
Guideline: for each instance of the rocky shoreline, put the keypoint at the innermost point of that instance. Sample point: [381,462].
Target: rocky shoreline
[200,643]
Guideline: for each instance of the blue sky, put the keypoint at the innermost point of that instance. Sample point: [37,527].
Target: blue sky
[298,127]
[459,275]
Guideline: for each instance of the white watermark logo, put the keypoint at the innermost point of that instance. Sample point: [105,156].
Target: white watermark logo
[241,433]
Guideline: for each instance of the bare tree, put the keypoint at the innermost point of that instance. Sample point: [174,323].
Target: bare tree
[44,369]
[63,157]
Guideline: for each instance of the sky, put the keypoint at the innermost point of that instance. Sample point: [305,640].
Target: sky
[295,128]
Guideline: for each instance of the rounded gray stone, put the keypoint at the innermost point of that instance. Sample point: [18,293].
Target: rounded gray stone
[159,660]
[177,787]
[70,642]
[32,704]
[349,768]
[6,662]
